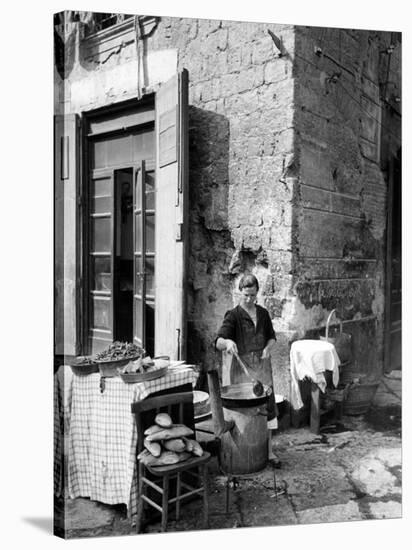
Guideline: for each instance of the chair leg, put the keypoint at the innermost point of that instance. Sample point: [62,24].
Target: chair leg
[140,501]
[165,503]
[205,496]
[178,489]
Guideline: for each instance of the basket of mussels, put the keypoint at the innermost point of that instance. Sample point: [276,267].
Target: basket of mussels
[83,365]
[116,356]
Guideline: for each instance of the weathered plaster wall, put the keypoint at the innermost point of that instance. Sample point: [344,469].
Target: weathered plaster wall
[285,166]
[241,144]
[340,204]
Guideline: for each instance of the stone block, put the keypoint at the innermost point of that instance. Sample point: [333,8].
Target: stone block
[275,71]
[315,198]
[228,84]
[330,514]
[83,513]
[370,119]
[259,507]
[249,79]
[371,90]
[263,50]
[369,149]
[342,204]
[371,60]
[234,58]
[285,141]
[210,90]
[385,510]
[216,41]
[373,478]
[336,236]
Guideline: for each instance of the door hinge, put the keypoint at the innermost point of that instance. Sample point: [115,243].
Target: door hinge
[179,232]
[178,343]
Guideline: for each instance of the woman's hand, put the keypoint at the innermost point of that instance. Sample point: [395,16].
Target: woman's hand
[231,346]
[268,349]
[226,344]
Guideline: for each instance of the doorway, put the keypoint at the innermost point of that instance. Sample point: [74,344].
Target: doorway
[123,261]
[120,246]
[393,333]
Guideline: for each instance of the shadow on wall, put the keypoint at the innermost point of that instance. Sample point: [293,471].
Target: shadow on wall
[210,243]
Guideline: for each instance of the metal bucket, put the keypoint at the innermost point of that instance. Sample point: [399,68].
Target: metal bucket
[246,450]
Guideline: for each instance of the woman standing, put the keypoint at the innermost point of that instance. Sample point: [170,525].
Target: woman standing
[247,330]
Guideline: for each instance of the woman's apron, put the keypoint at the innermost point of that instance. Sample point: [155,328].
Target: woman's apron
[259,369]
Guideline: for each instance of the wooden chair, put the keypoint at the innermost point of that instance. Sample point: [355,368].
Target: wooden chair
[180,407]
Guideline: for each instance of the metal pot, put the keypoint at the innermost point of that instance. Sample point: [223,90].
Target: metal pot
[242,396]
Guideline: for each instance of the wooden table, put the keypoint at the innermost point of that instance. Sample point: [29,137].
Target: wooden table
[102,435]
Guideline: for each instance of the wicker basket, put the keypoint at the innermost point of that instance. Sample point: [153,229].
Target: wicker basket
[359,398]
[341,340]
[348,373]
[82,368]
[109,369]
[134,377]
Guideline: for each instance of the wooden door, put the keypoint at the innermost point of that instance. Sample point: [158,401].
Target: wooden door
[144,255]
[171,123]
[101,259]
[393,320]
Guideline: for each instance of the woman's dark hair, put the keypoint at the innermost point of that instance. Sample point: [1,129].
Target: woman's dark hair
[248,281]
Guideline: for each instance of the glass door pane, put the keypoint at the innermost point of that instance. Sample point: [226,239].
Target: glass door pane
[138,248]
[101,244]
[144,255]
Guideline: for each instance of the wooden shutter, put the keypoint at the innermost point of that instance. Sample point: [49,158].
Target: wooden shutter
[139,293]
[171,216]
[66,192]
[101,258]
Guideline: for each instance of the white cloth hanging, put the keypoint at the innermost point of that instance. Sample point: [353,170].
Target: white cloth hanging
[310,359]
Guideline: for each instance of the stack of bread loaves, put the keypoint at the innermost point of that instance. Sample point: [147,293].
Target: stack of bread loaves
[167,443]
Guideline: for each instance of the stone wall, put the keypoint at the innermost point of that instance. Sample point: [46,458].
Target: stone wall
[340,210]
[241,144]
[286,155]
[241,147]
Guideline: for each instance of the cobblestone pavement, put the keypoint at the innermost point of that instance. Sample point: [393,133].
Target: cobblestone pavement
[354,474]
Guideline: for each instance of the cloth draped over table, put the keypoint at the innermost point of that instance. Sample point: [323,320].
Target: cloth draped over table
[102,436]
[62,387]
[310,359]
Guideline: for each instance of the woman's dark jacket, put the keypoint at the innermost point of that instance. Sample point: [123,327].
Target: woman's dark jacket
[238,326]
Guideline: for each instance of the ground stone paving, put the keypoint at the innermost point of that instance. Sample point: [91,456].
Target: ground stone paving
[352,475]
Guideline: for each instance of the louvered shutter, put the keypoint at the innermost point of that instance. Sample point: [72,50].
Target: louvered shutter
[171,216]
[66,188]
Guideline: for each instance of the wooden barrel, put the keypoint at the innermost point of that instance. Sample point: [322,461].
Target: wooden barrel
[359,399]
[245,447]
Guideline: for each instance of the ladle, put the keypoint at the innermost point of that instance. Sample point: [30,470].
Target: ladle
[257,387]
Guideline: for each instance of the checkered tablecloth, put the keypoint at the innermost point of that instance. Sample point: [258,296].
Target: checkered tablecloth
[62,389]
[103,437]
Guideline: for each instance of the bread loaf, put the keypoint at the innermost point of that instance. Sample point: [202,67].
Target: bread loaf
[153,429]
[178,430]
[165,459]
[176,445]
[153,447]
[163,420]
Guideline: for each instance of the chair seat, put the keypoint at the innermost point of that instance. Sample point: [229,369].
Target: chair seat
[191,462]
[173,484]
